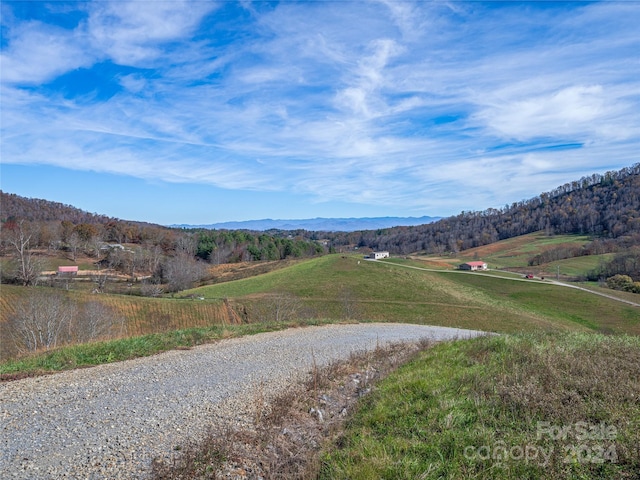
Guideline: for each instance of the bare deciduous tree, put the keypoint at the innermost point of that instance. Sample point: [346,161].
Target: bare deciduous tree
[181,271]
[187,243]
[42,320]
[155,259]
[149,258]
[149,288]
[116,258]
[220,254]
[96,243]
[74,242]
[96,320]
[278,307]
[25,267]
[100,280]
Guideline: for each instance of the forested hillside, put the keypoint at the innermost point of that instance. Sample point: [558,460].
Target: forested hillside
[39,210]
[56,221]
[32,229]
[606,206]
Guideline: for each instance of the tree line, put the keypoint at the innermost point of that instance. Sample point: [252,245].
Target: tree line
[605,206]
[170,259]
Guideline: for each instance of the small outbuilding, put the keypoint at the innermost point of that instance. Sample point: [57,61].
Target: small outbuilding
[68,271]
[378,255]
[473,266]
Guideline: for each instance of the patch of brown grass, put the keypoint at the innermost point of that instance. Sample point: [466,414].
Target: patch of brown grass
[556,380]
[566,380]
[227,272]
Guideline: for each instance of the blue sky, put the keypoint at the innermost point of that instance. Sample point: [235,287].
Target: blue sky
[201,112]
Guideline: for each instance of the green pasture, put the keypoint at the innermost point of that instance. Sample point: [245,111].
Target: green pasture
[384,291]
[516,252]
[575,267]
[567,306]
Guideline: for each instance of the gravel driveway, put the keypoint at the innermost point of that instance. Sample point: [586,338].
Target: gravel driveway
[110,421]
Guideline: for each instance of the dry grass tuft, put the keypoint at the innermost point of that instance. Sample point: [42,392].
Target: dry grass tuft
[558,378]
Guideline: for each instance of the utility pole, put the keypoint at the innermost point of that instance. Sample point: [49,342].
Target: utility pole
[558,274]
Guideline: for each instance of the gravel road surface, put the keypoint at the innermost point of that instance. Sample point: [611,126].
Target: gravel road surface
[110,421]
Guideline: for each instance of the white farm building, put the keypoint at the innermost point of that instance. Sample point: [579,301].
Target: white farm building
[473,266]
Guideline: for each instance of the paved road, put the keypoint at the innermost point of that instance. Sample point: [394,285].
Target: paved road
[110,421]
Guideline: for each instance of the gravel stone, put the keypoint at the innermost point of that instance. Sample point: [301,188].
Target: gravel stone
[112,420]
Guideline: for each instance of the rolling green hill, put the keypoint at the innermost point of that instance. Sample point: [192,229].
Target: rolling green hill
[534,253]
[555,368]
[347,287]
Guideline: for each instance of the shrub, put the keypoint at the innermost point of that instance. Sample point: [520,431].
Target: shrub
[624,283]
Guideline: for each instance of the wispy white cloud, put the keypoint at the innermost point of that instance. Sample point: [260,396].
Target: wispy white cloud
[37,53]
[137,33]
[383,103]
[569,112]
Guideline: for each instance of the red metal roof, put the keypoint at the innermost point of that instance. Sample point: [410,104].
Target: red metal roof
[476,264]
[67,269]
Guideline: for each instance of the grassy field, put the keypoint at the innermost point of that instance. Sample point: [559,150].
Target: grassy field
[514,252]
[337,286]
[509,407]
[575,267]
[566,306]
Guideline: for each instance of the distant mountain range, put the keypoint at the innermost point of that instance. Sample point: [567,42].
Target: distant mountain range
[319,224]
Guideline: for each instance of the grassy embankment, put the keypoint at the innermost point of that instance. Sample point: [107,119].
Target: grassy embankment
[97,353]
[510,407]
